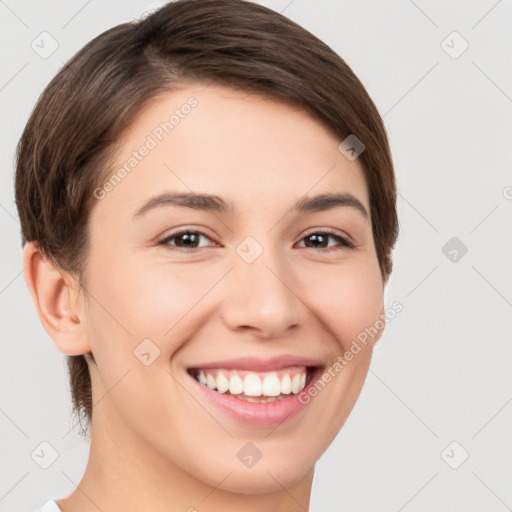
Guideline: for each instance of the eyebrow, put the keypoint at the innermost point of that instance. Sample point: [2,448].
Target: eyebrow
[213,203]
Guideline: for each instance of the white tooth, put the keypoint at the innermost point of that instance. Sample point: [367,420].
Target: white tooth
[222,383]
[271,385]
[236,386]
[210,381]
[286,384]
[252,385]
[302,381]
[295,383]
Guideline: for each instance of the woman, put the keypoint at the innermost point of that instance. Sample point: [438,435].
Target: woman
[208,210]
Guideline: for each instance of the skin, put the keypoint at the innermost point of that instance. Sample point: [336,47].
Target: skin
[156,443]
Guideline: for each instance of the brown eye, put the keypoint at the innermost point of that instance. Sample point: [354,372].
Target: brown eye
[320,240]
[184,240]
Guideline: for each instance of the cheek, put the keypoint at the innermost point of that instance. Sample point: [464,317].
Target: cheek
[144,300]
[348,299]
[138,301]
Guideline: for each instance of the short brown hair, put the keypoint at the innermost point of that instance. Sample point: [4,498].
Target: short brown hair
[67,146]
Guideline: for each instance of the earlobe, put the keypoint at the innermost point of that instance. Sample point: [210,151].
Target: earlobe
[55,295]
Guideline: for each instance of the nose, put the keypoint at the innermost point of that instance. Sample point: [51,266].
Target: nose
[264,297]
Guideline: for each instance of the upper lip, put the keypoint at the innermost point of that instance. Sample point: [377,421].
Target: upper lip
[258,364]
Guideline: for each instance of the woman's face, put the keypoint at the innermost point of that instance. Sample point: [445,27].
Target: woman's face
[258,279]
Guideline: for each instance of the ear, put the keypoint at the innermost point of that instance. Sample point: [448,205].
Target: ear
[381,318]
[57,299]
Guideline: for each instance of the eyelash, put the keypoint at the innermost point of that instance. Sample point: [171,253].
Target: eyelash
[345,243]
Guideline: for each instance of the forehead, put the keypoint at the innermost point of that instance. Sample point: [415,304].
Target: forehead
[238,145]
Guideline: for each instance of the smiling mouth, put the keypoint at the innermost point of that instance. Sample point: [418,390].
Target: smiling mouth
[257,387]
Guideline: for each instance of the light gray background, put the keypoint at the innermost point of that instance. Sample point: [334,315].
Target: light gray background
[441,372]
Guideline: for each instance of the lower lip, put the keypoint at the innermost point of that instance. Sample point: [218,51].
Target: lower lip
[255,414]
